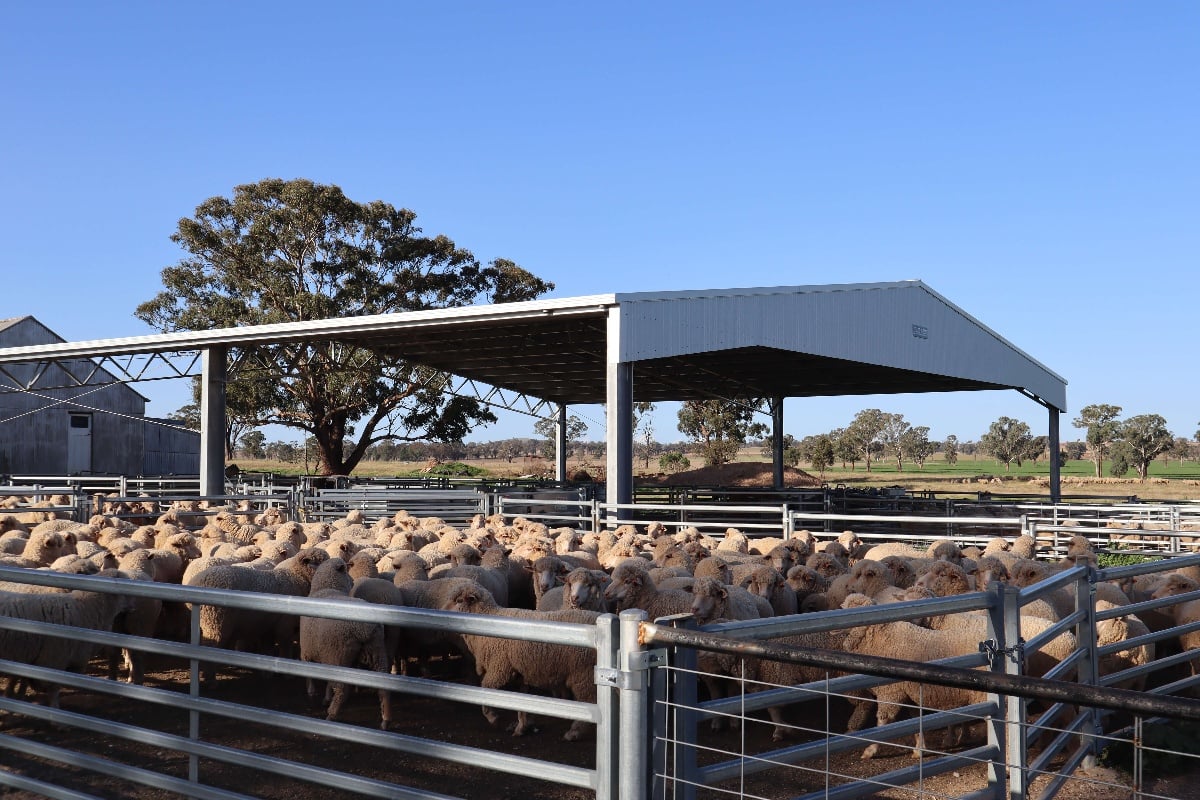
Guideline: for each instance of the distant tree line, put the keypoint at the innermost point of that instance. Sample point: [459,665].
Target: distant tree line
[718,429]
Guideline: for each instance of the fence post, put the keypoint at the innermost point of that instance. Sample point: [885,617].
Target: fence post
[789,524]
[1088,669]
[683,717]
[634,767]
[1007,731]
[608,662]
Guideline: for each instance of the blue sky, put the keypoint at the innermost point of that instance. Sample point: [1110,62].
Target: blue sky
[1036,163]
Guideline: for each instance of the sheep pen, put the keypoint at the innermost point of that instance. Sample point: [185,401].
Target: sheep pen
[415,716]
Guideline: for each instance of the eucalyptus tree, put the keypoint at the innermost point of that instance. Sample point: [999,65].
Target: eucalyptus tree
[866,429]
[1102,430]
[1007,440]
[720,427]
[950,450]
[286,251]
[546,427]
[1142,438]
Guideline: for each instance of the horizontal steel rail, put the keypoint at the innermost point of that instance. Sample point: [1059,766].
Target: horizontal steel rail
[1026,687]
[930,768]
[797,754]
[478,624]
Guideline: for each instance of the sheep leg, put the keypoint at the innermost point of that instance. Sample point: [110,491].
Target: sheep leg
[781,730]
[862,708]
[133,663]
[490,714]
[716,690]
[523,725]
[385,709]
[919,744]
[336,694]
[885,713]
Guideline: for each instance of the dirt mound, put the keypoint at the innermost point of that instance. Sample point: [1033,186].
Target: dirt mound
[743,473]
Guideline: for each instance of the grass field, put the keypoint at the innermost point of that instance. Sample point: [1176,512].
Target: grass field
[1171,481]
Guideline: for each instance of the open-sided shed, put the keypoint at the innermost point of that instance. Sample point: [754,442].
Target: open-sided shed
[777,342]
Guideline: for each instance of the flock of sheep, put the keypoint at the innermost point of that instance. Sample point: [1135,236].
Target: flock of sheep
[523,569]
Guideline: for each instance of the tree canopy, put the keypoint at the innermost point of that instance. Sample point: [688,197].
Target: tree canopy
[1008,440]
[1103,429]
[1141,439]
[547,428]
[719,427]
[286,251]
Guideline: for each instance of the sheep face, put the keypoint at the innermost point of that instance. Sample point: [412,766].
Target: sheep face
[1175,585]
[805,581]
[626,584]
[764,583]
[468,600]
[710,601]
[781,559]
[584,589]
[825,565]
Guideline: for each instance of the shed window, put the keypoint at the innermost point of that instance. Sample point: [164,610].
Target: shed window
[81,421]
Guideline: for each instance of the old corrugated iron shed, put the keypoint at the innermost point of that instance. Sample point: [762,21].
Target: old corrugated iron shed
[777,342]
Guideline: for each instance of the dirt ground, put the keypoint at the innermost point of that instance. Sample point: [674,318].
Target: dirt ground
[456,723]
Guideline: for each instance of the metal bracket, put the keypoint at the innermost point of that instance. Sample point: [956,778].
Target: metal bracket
[648,659]
[634,677]
[991,648]
[607,676]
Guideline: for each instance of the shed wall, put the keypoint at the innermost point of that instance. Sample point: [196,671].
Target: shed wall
[170,450]
[34,425]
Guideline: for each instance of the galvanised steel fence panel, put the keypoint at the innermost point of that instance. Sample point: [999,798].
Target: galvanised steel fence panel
[601,638]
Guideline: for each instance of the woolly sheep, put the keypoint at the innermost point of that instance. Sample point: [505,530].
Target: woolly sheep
[554,668]
[767,583]
[826,565]
[227,627]
[422,644]
[1183,613]
[872,579]
[79,609]
[909,642]
[805,581]
[632,587]
[340,642]
[1121,629]
[714,600]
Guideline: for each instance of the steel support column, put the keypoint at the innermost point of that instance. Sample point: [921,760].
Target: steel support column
[212,421]
[1055,464]
[777,442]
[560,444]
[619,412]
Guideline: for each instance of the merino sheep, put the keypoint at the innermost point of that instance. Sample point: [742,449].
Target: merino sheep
[910,642]
[79,609]
[713,600]
[1184,612]
[226,627]
[1121,629]
[632,587]
[340,642]
[555,668]
[767,583]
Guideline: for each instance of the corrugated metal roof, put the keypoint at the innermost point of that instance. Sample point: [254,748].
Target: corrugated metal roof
[789,341]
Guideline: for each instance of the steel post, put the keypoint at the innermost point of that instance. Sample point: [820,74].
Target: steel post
[633,766]
[608,645]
